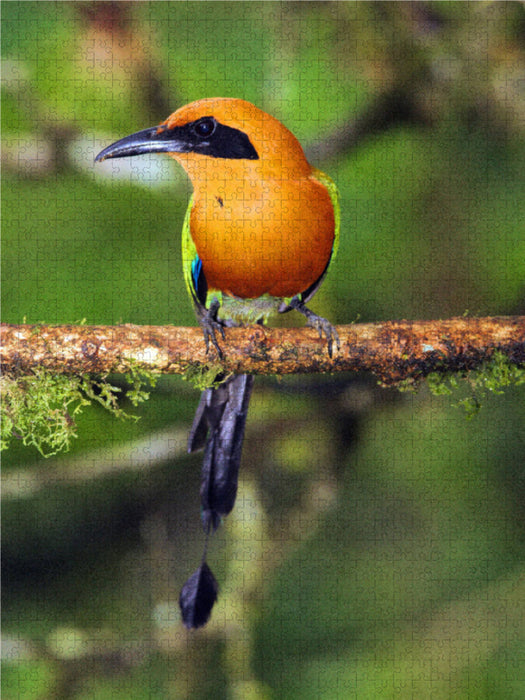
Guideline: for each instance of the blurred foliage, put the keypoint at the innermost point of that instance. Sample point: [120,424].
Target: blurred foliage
[377,546]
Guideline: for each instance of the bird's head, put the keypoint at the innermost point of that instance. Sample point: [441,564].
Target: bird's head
[206,134]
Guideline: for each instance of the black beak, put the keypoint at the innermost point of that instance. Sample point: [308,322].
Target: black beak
[157,139]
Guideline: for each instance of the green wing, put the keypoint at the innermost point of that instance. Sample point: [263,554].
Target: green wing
[189,252]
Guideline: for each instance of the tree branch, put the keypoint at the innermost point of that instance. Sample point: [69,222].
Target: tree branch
[393,351]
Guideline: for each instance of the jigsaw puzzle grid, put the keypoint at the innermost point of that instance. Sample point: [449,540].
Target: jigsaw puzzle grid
[375,548]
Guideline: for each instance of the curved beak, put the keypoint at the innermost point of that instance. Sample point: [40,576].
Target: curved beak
[157,139]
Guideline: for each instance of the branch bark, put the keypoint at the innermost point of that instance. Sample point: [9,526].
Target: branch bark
[393,351]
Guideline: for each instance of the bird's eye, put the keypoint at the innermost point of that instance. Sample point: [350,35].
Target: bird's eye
[205,127]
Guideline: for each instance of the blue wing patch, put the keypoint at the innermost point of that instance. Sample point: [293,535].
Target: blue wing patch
[198,279]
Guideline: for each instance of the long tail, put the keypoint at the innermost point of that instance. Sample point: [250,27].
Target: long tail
[218,427]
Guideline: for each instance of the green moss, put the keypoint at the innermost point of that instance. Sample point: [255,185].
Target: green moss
[41,408]
[494,376]
[205,377]
[138,378]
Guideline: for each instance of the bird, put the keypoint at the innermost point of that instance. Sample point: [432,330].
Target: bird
[260,232]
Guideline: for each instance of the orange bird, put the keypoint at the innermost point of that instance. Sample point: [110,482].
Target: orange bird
[260,231]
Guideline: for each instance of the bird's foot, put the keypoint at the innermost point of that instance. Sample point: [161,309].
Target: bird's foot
[210,325]
[321,325]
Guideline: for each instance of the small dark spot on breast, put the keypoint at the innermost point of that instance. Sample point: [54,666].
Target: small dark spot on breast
[219,199]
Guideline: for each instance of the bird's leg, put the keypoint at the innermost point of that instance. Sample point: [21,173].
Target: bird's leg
[317,322]
[210,324]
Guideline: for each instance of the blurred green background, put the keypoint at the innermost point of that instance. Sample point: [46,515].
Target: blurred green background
[377,546]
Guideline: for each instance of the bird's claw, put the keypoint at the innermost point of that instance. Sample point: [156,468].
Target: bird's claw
[321,325]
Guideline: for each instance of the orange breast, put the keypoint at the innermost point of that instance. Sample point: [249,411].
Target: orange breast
[258,237]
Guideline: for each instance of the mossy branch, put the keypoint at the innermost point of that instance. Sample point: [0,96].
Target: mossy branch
[50,373]
[395,351]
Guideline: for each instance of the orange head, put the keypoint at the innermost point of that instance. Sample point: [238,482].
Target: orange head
[205,134]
